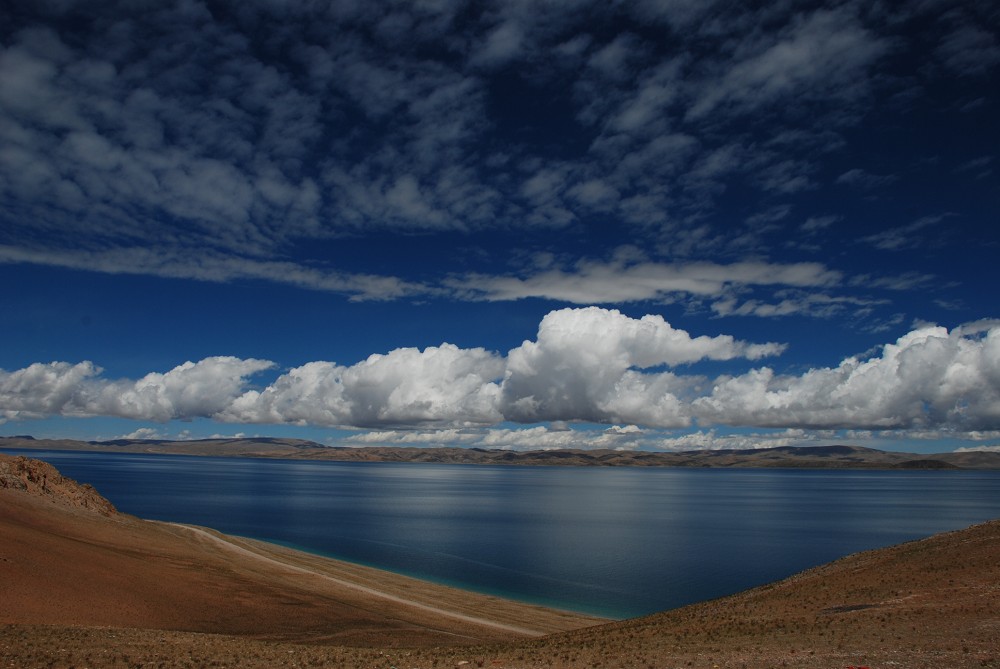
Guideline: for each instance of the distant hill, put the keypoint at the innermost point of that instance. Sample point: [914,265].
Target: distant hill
[815,457]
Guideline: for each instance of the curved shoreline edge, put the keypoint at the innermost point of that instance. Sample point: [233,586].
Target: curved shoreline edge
[111,590]
[266,551]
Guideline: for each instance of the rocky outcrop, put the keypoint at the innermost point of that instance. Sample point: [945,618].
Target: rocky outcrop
[35,477]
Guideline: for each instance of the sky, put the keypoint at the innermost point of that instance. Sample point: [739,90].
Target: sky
[658,224]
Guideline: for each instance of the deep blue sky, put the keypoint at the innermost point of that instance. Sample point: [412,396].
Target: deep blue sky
[653,224]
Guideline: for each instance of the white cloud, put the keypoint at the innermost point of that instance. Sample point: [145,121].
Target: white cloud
[620,280]
[44,389]
[594,282]
[815,56]
[612,61]
[594,193]
[815,224]
[793,302]
[191,390]
[866,180]
[584,366]
[712,439]
[905,281]
[648,106]
[905,236]
[120,151]
[206,265]
[401,118]
[503,44]
[969,49]
[928,377]
[446,437]
[615,437]
[405,387]
[537,438]
[144,433]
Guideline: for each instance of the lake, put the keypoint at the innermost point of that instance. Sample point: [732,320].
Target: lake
[617,542]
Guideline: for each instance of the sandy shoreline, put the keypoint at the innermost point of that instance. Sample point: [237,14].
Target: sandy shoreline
[426,596]
[85,586]
[70,566]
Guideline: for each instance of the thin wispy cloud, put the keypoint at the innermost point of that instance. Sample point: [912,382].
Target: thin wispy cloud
[308,177]
[618,281]
[354,123]
[905,236]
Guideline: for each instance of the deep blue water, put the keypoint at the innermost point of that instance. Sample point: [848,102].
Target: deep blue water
[612,541]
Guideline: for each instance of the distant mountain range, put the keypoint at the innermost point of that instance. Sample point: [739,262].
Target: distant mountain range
[818,457]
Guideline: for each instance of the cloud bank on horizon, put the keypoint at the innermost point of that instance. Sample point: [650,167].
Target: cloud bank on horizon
[587,365]
[815,179]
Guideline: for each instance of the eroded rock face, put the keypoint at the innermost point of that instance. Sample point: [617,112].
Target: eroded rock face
[39,478]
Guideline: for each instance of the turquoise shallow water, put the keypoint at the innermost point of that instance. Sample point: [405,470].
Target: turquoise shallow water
[618,542]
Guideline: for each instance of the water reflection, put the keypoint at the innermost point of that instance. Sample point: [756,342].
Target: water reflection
[620,542]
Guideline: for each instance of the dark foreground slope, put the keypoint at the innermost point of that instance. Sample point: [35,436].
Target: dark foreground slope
[930,603]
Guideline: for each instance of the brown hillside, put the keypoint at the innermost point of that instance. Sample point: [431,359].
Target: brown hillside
[42,479]
[84,589]
[78,565]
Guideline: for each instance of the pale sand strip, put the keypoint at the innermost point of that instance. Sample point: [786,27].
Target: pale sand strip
[547,620]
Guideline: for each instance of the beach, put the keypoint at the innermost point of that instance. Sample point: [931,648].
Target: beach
[85,585]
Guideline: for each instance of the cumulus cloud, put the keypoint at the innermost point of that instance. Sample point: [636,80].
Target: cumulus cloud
[928,377]
[190,390]
[587,365]
[193,389]
[44,389]
[406,387]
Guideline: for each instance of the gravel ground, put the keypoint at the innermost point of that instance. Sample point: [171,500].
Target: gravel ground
[83,586]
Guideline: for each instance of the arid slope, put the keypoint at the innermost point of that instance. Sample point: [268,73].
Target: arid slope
[85,586]
[68,558]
